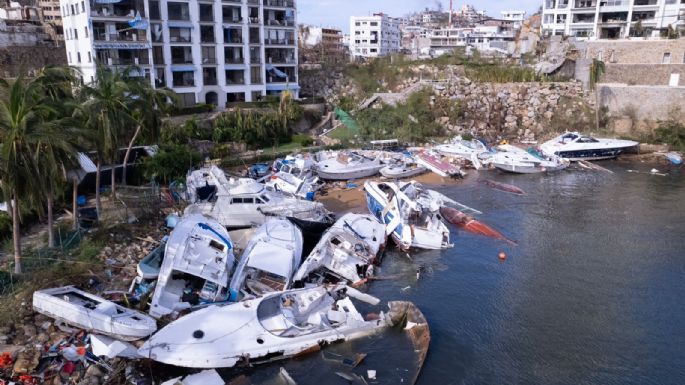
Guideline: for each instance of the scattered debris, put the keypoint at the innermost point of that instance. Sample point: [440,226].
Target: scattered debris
[502,186]
[286,376]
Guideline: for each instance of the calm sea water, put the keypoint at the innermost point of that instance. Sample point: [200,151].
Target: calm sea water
[593,293]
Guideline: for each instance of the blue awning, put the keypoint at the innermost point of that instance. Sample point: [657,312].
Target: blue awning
[182,68]
[282,87]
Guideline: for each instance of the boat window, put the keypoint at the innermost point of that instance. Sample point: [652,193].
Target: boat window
[236,200]
[248,200]
[216,245]
[568,138]
[265,198]
[587,139]
[258,201]
[336,241]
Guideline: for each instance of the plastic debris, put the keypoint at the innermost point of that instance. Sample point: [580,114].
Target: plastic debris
[286,376]
[103,346]
[205,377]
[371,374]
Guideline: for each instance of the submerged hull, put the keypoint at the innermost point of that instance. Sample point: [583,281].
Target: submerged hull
[438,166]
[349,174]
[527,169]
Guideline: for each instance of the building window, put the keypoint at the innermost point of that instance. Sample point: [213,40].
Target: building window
[209,76]
[186,99]
[178,11]
[208,55]
[85,31]
[234,77]
[206,12]
[75,33]
[154,10]
[181,55]
[72,9]
[156,32]
[179,35]
[233,97]
[69,57]
[667,58]
[158,54]
[90,58]
[78,57]
[184,79]
[83,6]
[207,33]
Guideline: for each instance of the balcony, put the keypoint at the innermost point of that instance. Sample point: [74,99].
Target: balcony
[270,41]
[113,13]
[280,23]
[279,3]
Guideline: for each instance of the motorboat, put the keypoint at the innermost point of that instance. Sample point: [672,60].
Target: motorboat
[258,170]
[404,168]
[198,262]
[92,313]
[435,163]
[243,202]
[517,160]
[348,165]
[294,175]
[148,267]
[410,213]
[462,148]
[575,146]
[278,326]
[269,261]
[346,252]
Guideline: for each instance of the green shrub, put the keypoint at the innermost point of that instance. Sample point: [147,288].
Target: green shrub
[171,162]
[196,109]
[303,140]
[671,132]
[181,134]
[5,226]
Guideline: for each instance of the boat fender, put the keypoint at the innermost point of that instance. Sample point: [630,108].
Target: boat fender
[502,256]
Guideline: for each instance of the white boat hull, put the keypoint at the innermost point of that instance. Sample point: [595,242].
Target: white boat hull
[349,174]
[399,172]
[75,307]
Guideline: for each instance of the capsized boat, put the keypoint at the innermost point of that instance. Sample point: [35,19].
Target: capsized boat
[470,224]
[92,313]
[517,160]
[462,148]
[269,261]
[346,252]
[197,266]
[243,202]
[278,326]
[502,186]
[348,165]
[575,146]
[435,163]
[410,213]
[258,170]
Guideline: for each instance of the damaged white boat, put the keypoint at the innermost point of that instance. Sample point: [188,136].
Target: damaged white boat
[348,165]
[198,261]
[406,167]
[269,261]
[347,251]
[294,175]
[243,202]
[277,326]
[92,313]
[459,147]
[410,213]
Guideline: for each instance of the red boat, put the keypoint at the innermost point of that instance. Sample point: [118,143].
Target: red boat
[470,224]
[434,163]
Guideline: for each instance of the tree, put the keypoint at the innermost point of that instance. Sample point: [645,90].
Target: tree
[23,126]
[148,106]
[597,69]
[60,152]
[105,111]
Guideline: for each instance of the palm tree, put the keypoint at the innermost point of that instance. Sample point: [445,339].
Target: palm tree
[23,126]
[60,153]
[105,110]
[148,106]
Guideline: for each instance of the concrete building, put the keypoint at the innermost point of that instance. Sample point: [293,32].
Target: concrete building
[207,51]
[51,11]
[374,36]
[611,19]
[487,39]
[517,17]
[319,44]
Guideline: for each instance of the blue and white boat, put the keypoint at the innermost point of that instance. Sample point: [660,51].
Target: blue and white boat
[411,214]
[575,146]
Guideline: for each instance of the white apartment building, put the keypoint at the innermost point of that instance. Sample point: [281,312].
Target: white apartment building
[207,51]
[374,36]
[487,39]
[515,16]
[611,19]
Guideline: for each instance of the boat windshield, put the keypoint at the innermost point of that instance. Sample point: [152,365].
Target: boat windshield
[293,314]
[567,138]
[587,139]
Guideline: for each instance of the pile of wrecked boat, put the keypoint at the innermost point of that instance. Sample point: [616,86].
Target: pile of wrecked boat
[225,305]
